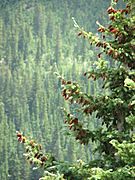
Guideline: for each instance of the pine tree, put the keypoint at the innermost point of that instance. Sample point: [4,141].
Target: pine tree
[115,109]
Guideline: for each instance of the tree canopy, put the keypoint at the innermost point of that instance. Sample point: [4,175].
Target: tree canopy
[113,107]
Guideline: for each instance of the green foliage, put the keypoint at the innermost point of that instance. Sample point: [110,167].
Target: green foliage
[37,38]
[126,151]
[129,83]
[114,108]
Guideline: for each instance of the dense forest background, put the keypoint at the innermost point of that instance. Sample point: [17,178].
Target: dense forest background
[37,38]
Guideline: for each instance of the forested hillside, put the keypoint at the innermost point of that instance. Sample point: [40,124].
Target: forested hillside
[37,38]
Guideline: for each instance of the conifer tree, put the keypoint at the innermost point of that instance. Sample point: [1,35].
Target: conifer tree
[115,109]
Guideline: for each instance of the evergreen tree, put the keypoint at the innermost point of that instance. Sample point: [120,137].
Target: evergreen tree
[115,109]
[29,91]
